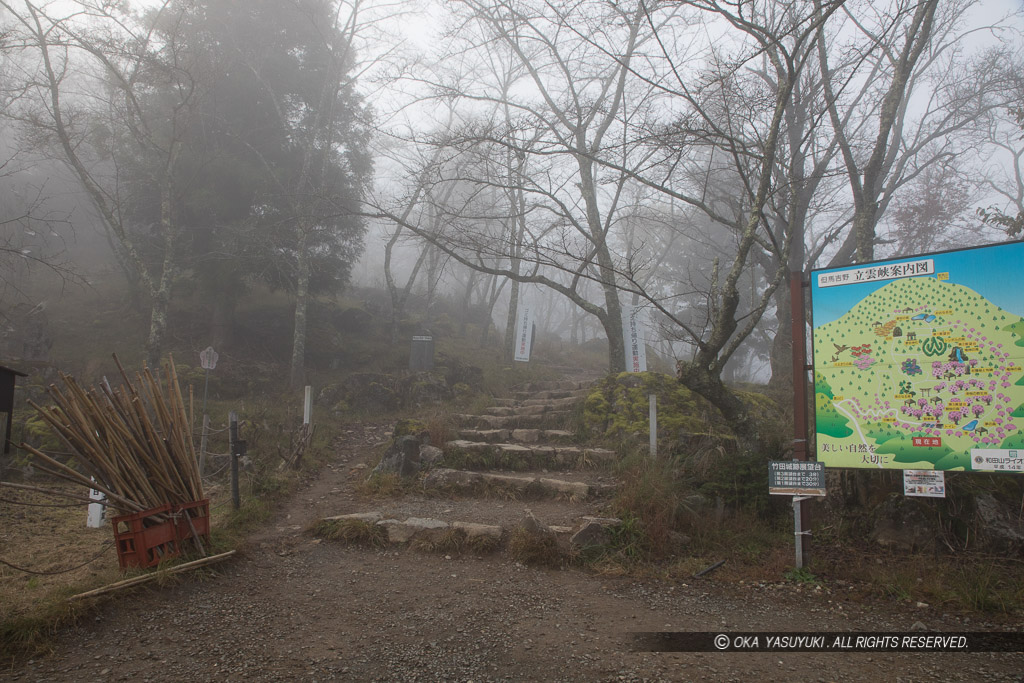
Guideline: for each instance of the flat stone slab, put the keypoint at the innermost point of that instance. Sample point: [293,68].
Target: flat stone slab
[441,478]
[501,410]
[474,530]
[368,517]
[555,403]
[488,435]
[526,435]
[539,420]
[514,449]
[553,457]
[402,532]
[471,446]
[557,435]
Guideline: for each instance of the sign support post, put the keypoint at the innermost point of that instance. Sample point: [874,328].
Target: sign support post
[799,533]
[208,361]
[801,513]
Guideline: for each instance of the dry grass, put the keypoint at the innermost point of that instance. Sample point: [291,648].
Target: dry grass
[350,531]
[388,484]
[534,549]
[449,541]
[482,545]
[52,541]
[48,540]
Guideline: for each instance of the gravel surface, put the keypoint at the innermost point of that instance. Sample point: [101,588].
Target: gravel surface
[294,608]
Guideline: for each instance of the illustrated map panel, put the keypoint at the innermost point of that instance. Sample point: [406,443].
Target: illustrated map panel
[918,362]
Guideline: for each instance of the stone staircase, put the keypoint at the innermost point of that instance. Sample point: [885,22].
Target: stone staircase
[514,467]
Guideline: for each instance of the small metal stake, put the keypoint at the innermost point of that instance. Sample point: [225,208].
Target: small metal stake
[798,532]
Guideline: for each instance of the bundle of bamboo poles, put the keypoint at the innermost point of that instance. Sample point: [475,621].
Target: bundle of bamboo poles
[133,443]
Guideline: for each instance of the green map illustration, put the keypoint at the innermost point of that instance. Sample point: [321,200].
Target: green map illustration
[920,371]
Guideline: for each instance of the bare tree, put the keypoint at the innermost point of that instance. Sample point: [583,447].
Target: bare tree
[1007,140]
[127,61]
[550,137]
[903,96]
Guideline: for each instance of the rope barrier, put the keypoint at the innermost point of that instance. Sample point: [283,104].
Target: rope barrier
[107,546]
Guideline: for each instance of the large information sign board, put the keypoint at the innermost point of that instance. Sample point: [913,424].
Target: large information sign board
[918,361]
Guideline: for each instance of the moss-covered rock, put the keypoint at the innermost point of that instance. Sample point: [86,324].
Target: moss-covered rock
[410,427]
[618,407]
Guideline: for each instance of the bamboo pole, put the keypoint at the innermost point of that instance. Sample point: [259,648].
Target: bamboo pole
[134,581]
[134,440]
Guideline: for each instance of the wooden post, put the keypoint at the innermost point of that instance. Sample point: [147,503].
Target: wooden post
[654,424]
[307,406]
[801,512]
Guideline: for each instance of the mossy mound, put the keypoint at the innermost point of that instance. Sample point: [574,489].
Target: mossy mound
[618,407]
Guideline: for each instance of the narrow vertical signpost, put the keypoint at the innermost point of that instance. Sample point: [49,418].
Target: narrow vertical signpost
[524,334]
[95,514]
[234,448]
[307,407]
[208,361]
[636,361]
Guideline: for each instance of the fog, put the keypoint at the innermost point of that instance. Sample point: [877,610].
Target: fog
[575,159]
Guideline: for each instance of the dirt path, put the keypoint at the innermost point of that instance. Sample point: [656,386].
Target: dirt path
[293,608]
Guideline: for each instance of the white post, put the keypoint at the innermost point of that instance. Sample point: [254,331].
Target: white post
[307,407]
[203,443]
[654,424]
[95,514]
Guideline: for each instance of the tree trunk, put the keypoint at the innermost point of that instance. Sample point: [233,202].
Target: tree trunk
[157,328]
[297,375]
[161,295]
[222,319]
[697,378]
[781,357]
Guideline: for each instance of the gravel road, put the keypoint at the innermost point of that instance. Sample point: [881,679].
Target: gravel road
[293,608]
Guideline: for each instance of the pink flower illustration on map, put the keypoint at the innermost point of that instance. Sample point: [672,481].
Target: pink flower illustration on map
[864,362]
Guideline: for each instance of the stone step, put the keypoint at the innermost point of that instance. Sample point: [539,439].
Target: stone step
[509,402]
[488,435]
[548,420]
[542,435]
[564,403]
[421,528]
[430,532]
[533,409]
[517,435]
[468,482]
[552,394]
[468,454]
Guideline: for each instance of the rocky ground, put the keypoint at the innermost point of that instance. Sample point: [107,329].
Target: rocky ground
[293,607]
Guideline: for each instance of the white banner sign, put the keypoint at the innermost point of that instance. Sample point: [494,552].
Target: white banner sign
[524,333]
[636,351]
[926,483]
